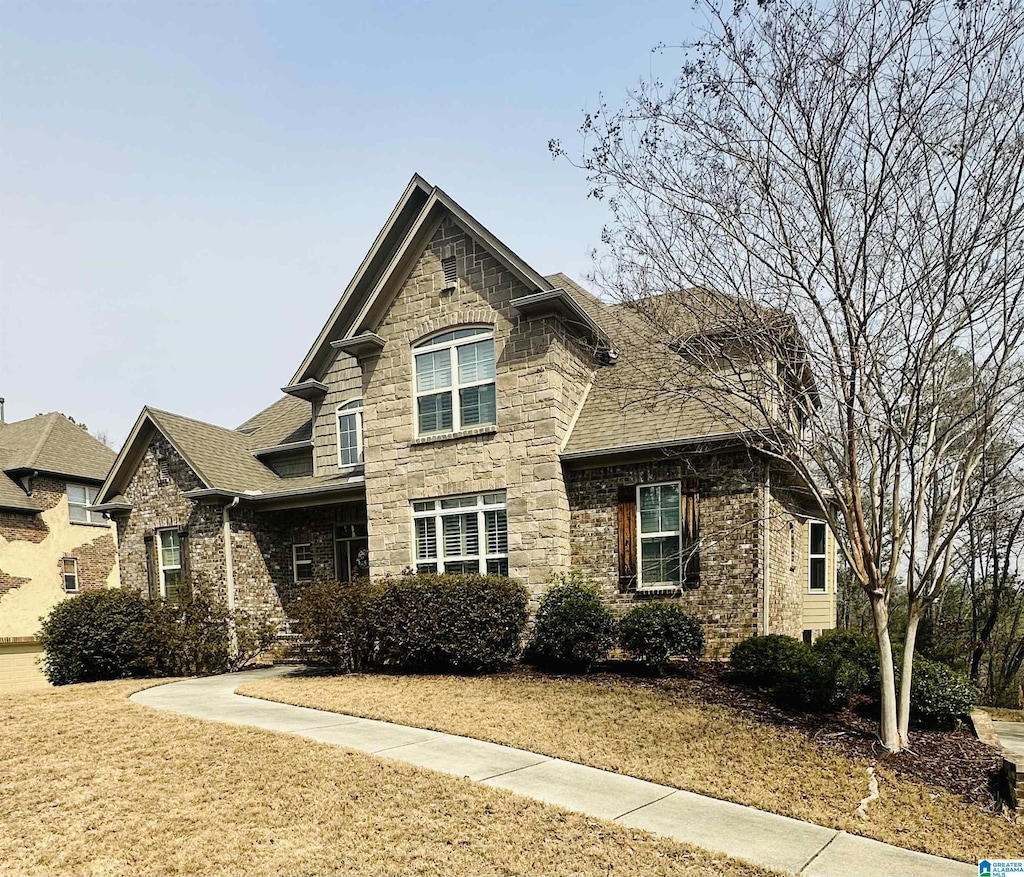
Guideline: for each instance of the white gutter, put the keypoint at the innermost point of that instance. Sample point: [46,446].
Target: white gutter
[767,548]
[229,569]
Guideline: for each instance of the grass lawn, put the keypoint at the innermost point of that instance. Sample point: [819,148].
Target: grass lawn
[93,784]
[669,737]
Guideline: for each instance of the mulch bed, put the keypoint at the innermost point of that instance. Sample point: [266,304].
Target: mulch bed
[954,760]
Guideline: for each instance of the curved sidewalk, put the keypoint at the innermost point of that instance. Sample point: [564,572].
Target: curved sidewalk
[759,837]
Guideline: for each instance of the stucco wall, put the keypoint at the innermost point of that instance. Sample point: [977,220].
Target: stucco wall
[32,550]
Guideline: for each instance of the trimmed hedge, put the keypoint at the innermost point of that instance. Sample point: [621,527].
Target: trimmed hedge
[573,627]
[810,680]
[99,635]
[115,634]
[852,646]
[450,623]
[939,695]
[761,660]
[654,632]
[336,625]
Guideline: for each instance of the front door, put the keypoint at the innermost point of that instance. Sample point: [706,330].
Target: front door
[351,552]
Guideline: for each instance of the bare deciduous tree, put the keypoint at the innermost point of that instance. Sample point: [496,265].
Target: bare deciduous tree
[838,192]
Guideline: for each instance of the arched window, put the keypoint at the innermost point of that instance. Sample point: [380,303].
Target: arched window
[455,381]
[350,433]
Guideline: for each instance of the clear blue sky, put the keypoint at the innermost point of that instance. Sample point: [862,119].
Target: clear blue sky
[186,188]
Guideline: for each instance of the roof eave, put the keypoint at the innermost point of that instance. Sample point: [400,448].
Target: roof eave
[283,448]
[358,346]
[560,303]
[720,438]
[309,390]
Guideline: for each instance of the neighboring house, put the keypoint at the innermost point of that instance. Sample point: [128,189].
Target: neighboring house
[461,412]
[51,543]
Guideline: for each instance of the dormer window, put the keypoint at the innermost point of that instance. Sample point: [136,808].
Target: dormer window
[350,433]
[455,381]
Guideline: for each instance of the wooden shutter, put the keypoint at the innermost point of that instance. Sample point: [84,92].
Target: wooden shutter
[627,538]
[691,539]
[186,566]
[152,570]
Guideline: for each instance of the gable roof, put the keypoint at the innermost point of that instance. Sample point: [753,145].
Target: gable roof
[397,245]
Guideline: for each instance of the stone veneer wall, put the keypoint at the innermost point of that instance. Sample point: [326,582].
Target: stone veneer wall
[541,376]
[729,599]
[785,604]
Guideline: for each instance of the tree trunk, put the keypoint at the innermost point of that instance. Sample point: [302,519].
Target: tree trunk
[913,619]
[890,729]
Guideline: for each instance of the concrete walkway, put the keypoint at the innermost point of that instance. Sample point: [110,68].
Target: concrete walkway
[763,838]
[1011,735]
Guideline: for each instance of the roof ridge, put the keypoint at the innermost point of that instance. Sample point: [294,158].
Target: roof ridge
[43,437]
[233,432]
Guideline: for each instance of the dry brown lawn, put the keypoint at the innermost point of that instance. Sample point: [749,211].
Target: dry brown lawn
[670,738]
[1004,715]
[93,784]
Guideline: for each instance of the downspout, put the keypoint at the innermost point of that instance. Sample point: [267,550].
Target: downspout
[229,569]
[766,546]
[229,573]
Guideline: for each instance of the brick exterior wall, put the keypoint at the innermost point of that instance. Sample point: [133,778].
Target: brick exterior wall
[729,599]
[261,542]
[541,376]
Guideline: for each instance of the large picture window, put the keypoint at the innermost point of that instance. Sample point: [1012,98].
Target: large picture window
[350,433]
[80,497]
[454,375]
[668,537]
[171,579]
[467,534]
[818,537]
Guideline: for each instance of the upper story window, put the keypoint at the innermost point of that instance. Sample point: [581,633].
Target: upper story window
[818,536]
[455,381]
[70,570]
[350,433]
[80,496]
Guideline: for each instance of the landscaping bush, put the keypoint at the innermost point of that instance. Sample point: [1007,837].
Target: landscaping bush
[852,646]
[939,695]
[99,635]
[458,623]
[573,627]
[336,625]
[192,635]
[654,632]
[811,680]
[761,660]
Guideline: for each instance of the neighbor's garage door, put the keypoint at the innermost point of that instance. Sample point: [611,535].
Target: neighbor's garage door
[18,668]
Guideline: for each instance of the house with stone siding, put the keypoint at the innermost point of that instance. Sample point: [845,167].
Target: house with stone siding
[461,412]
[51,544]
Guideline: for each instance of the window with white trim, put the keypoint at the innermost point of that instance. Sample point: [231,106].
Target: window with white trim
[660,530]
[302,562]
[350,433]
[171,578]
[70,571]
[454,377]
[818,541]
[80,497]
[466,534]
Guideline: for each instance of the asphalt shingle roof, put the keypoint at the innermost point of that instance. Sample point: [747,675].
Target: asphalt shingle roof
[48,443]
[643,398]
